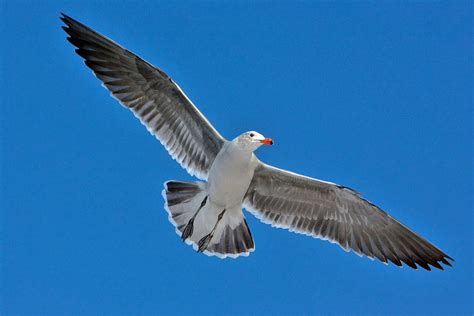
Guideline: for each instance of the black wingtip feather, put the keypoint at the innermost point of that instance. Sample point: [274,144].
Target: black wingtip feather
[424,265]
[66,18]
[446,262]
[409,263]
[436,265]
[68,32]
[71,40]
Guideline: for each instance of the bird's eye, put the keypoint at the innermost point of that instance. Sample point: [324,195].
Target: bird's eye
[252,134]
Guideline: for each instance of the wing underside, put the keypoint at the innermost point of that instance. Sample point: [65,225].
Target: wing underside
[152,96]
[338,214]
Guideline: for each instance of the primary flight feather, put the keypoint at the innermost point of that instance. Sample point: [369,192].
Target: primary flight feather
[208,214]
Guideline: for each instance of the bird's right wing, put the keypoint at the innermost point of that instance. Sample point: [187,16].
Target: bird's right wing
[338,214]
[152,96]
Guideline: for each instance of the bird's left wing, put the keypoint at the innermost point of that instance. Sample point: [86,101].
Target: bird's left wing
[338,214]
[152,96]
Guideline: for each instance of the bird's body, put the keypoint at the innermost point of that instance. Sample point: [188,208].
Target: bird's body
[230,175]
[223,194]
[208,214]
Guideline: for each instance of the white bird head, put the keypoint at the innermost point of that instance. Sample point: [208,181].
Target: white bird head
[253,140]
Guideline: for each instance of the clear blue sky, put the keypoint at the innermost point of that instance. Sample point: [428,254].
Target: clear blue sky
[373,96]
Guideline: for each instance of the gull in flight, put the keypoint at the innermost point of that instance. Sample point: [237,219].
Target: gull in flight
[207,214]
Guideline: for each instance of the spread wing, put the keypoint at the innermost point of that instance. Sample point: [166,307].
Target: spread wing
[152,96]
[338,214]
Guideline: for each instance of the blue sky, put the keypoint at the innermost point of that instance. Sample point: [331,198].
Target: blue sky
[375,96]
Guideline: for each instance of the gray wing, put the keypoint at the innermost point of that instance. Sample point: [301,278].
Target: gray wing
[338,214]
[152,97]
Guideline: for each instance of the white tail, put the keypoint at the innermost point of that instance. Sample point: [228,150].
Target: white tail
[204,225]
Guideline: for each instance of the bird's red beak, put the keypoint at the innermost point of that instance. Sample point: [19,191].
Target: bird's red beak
[267,141]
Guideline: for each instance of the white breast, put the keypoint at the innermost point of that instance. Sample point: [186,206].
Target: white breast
[230,175]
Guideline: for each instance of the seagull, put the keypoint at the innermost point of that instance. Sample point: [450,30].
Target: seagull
[207,214]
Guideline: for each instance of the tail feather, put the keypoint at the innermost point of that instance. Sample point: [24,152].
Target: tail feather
[178,192]
[181,198]
[231,238]
[234,242]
